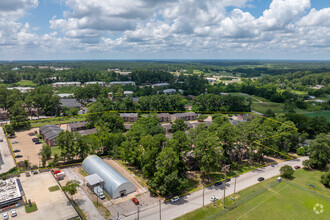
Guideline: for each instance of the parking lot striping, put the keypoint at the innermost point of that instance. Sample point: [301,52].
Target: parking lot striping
[275,193]
[205,112]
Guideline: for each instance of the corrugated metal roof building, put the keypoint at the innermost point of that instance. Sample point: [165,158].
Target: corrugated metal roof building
[114,183]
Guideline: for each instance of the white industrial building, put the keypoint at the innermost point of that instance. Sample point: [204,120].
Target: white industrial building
[11,192]
[115,185]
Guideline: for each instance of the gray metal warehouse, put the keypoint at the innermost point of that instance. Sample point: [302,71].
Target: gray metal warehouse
[114,183]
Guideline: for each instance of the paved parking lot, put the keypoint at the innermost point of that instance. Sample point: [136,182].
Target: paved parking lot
[51,205]
[29,150]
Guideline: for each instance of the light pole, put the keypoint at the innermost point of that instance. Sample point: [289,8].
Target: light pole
[203,196]
[160,210]
[225,169]
[235,185]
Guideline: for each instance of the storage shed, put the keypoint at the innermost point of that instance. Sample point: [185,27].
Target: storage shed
[114,183]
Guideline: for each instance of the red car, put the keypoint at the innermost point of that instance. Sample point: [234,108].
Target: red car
[56,172]
[136,201]
[297,167]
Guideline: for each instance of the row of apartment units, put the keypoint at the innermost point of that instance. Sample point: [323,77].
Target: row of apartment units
[123,83]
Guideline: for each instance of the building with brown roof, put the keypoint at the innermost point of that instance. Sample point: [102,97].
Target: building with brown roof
[164,117]
[129,117]
[186,116]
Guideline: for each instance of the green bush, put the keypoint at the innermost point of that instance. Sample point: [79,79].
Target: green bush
[29,209]
[325,179]
[301,151]
[53,188]
[287,171]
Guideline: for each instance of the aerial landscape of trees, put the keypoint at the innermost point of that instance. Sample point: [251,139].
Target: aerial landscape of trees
[171,164]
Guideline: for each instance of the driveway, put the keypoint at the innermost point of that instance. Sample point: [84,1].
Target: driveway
[194,201]
[81,197]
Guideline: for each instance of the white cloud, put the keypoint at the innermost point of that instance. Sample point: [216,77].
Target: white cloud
[186,27]
[316,18]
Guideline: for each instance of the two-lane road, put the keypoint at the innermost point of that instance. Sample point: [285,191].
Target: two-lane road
[194,201]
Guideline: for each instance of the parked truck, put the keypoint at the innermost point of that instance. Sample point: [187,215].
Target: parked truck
[99,192]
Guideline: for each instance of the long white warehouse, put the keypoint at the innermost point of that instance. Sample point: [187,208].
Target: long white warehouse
[114,183]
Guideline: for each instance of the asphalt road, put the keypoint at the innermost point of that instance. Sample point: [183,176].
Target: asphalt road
[6,160]
[194,201]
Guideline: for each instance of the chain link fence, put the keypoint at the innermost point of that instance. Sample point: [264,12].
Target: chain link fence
[311,190]
[243,200]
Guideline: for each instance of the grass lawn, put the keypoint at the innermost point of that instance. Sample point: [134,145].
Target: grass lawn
[59,120]
[282,201]
[318,114]
[26,83]
[262,107]
[299,92]
[56,150]
[197,72]
[53,188]
[305,177]
[210,210]
[31,209]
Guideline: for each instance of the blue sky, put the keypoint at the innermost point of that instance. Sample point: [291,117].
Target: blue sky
[164,29]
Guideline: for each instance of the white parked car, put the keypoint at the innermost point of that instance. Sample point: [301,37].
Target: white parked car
[214,198]
[5,216]
[13,212]
[175,198]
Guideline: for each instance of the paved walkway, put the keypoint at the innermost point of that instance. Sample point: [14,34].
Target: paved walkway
[82,199]
[6,160]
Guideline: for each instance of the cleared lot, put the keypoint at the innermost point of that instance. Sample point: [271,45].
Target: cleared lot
[51,205]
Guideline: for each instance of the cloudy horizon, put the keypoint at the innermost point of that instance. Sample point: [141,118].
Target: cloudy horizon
[164,29]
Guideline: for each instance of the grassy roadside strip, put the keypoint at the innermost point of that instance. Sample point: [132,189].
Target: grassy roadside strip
[82,214]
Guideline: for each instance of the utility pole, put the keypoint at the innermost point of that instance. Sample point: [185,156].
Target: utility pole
[138,212]
[203,196]
[224,193]
[235,182]
[225,169]
[235,185]
[160,210]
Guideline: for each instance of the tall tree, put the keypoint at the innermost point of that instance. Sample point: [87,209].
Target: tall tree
[18,117]
[319,155]
[179,125]
[66,142]
[208,152]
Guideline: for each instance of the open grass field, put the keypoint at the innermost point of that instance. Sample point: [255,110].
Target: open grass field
[317,114]
[282,201]
[26,83]
[262,107]
[59,120]
[299,92]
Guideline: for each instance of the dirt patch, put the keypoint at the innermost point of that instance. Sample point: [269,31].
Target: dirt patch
[29,150]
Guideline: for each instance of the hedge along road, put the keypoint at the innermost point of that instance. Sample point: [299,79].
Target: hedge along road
[6,159]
